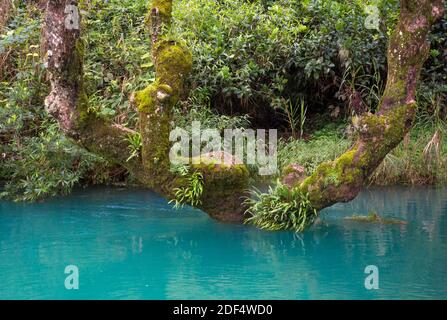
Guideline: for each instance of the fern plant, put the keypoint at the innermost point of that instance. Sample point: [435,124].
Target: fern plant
[280,209]
[191,192]
[135,145]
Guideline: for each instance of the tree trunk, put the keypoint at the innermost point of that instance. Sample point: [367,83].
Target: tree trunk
[340,180]
[63,52]
[67,102]
[378,134]
[223,186]
[6,7]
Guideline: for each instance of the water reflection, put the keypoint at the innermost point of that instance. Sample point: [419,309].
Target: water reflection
[131,244]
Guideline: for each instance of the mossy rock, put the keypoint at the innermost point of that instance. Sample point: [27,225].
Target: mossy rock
[293,175]
[375,218]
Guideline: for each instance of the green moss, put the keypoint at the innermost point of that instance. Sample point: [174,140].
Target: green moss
[146,99]
[82,108]
[222,177]
[164,8]
[73,70]
[347,170]
[173,63]
[346,160]
[75,76]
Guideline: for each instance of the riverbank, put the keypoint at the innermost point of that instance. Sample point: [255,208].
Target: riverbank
[421,159]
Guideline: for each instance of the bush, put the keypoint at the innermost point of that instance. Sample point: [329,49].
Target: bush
[252,56]
[280,209]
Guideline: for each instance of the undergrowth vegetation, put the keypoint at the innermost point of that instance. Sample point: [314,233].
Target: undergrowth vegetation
[265,63]
[191,190]
[256,56]
[36,160]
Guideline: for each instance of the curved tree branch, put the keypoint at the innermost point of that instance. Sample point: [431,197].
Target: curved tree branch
[340,180]
[378,134]
[67,102]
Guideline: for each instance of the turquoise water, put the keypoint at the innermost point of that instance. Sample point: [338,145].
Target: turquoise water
[130,244]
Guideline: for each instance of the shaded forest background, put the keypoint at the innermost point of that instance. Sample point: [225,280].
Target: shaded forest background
[303,67]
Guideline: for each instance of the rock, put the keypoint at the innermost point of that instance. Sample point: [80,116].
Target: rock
[293,175]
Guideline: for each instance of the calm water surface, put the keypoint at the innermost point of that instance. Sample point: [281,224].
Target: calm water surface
[130,244]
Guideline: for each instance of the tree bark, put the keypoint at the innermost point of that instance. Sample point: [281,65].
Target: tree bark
[67,102]
[6,7]
[63,51]
[378,134]
[340,180]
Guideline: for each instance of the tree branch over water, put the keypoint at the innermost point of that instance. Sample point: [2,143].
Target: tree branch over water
[336,181]
[378,134]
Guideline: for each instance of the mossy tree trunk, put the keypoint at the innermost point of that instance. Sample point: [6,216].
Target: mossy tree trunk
[155,103]
[378,134]
[340,180]
[6,10]
[223,185]
[62,50]
[63,54]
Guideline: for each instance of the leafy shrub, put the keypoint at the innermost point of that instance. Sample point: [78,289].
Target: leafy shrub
[43,165]
[252,56]
[280,209]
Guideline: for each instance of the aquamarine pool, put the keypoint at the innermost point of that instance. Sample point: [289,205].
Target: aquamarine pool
[130,244]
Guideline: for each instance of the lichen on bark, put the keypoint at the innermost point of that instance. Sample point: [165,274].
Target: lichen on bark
[6,9]
[340,180]
[223,185]
[378,134]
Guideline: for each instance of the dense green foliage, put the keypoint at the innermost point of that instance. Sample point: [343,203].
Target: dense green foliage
[254,56]
[293,65]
